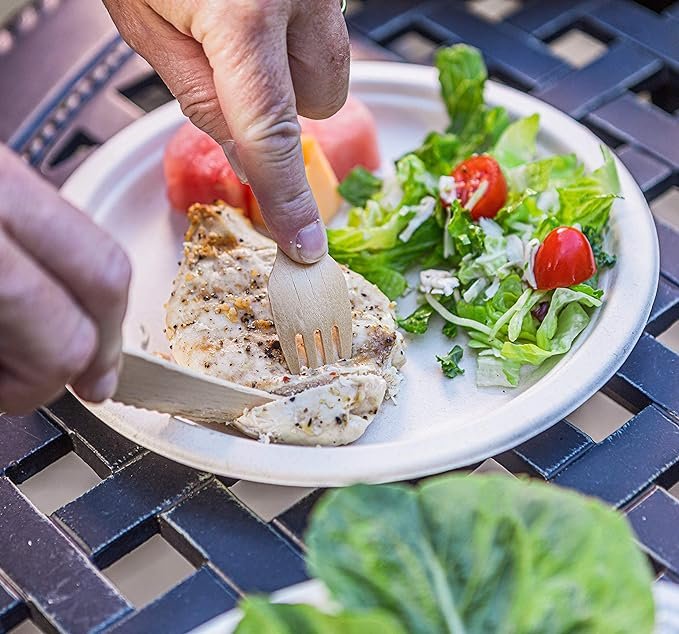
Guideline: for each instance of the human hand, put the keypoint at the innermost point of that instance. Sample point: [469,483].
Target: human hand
[63,295]
[242,70]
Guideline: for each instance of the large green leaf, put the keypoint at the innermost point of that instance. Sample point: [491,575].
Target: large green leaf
[482,554]
[262,617]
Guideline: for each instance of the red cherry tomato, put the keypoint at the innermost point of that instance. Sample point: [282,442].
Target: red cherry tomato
[564,258]
[471,174]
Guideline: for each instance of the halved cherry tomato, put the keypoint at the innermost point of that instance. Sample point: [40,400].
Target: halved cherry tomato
[471,174]
[564,258]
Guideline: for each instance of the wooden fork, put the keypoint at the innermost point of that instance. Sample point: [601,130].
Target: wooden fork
[311,311]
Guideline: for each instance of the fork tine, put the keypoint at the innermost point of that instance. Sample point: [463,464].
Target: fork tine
[287,339]
[306,298]
[328,346]
[312,356]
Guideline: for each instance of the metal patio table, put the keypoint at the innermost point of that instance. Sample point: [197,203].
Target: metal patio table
[67,83]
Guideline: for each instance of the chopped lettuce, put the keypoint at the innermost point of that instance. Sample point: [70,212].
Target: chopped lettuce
[450,362]
[473,126]
[359,186]
[416,182]
[417,322]
[449,330]
[462,75]
[561,298]
[540,175]
[572,321]
[466,236]
[440,152]
[385,267]
[494,371]
[406,222]
[517,144]
[604,260]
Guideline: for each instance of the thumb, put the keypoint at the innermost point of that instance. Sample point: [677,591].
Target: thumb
[256,94]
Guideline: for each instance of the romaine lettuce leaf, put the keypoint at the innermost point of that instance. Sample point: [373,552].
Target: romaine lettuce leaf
[561,298]
[607,174]
[385,267]
[588,200]
[473,126]
[369,236]
[492,371]
[358,186]
[462,75]
[517,144]
[440,152]
[572,321]
[482,554]
[262,617]
[416,182]
[554,171]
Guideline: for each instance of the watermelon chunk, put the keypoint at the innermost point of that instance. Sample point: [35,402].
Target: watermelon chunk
[196,171]
[348,138]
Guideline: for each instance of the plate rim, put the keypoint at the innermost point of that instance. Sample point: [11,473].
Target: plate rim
[308,466]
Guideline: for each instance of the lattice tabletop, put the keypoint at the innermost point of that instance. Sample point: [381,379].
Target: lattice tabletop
[67,83]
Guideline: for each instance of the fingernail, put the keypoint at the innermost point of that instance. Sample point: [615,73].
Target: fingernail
[312,243]
[105,387]
[231,152]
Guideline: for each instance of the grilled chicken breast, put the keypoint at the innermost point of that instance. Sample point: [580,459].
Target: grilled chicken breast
[219,322]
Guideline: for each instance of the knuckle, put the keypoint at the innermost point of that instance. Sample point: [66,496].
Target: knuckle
[204,112]
[276,133]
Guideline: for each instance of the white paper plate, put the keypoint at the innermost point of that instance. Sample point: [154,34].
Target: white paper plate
[314,593]
[438,424]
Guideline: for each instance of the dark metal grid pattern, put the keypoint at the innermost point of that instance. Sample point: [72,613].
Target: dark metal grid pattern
[94,87]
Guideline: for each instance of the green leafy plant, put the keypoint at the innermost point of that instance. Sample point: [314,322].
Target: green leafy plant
[469,555]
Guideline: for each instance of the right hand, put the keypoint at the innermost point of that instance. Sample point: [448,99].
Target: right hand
[242,70]
[63,295]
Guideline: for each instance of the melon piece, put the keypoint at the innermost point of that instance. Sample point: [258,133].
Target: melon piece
[348,138]
[322,181]
[197,171]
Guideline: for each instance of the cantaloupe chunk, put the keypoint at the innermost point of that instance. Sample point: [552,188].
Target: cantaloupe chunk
[322,181]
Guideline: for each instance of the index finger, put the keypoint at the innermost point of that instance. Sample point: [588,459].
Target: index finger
[90,265]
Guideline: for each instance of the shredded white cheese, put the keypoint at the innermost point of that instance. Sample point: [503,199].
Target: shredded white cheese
[447,190]
[492,289]
[473,291]
[549,200]
[438,282]
[422,212]
[490,227]
[477,195]
[514,249]
[529,259]
[392,194]
[447,238]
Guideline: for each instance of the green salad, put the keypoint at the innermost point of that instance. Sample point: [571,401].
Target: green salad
[508,245]
[467,555]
